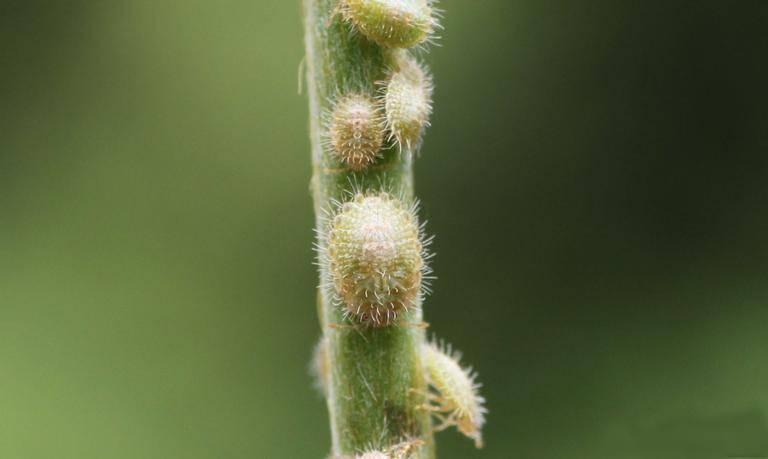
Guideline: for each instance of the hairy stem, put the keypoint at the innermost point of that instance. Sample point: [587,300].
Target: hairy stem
[376,383]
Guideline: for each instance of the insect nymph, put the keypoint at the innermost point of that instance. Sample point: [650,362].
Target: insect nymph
[456,401]
[375,256]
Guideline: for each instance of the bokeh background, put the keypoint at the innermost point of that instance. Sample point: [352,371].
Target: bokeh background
[596,175]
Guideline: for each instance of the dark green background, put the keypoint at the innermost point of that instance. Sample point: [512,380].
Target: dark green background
[596,175]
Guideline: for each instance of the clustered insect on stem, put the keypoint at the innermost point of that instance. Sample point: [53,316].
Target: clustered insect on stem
[375,255]
[371,246]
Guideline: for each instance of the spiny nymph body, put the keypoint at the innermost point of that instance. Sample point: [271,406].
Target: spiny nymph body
[391,23]
[320,366]
[375,258]
[457,401]
[373,455]
[407,97]
[356,131]
[403,450]
[365,455]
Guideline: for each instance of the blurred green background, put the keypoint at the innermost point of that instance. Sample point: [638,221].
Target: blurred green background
[596,175]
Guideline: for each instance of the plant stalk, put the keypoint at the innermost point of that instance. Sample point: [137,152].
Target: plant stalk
[376,392]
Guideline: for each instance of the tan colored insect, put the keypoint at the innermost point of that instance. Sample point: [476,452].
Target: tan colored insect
[355,131]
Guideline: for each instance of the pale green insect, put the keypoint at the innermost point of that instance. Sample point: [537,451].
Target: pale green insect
[391,23]
[407,98]
[456,401]
[320,366]
[375,257]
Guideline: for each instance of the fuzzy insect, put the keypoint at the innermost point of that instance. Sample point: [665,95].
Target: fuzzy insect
[373,455]
[407,98]
[355,131]
[403,450]
[392,23]
[320,366]
[374,255]
[455,400]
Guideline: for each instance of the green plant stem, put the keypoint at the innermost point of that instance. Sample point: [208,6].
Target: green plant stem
[377,386]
